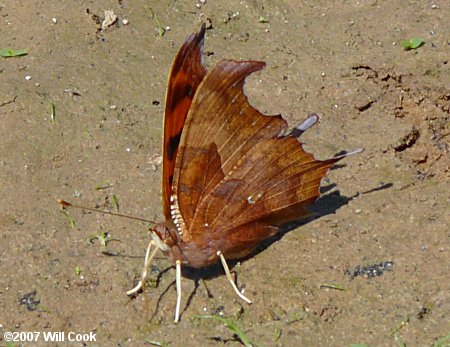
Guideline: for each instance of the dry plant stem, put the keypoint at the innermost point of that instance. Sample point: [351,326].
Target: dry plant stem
[178,285]
[227,272]
[148,260]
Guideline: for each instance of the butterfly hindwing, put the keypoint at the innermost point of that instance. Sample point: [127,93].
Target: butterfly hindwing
[236,173]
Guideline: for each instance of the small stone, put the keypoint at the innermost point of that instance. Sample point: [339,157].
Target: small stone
[54,21]
[358,211]
[110,19]
[27,77]
[125,21]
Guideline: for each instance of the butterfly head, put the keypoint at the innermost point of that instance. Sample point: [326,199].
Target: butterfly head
[164,236]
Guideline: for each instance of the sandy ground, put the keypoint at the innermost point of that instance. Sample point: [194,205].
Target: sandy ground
[383,212]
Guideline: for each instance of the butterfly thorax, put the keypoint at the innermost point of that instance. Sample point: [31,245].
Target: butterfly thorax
[194,254]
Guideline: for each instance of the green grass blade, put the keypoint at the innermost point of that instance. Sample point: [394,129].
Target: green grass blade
[115,202]
[333,286]
[70,220]
[443,342]
[157,343]
[230,325]
[52,112]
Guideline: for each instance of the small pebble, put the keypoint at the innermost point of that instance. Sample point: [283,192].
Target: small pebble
[27,77]
[358,211]
[128,150]
[54,20]
[125,21]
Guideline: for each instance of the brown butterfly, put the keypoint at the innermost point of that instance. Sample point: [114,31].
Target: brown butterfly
[231,176]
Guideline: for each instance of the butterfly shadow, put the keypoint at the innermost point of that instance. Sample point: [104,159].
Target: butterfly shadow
[326,204]
[197,275]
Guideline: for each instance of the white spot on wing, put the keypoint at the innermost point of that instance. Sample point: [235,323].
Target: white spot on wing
[252,199]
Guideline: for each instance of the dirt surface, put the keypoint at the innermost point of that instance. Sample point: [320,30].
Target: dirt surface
[382,227]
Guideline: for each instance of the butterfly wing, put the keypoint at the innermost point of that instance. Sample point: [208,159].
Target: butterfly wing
[237,177]
[185,76]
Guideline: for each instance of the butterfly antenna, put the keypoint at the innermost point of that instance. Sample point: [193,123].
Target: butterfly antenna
[68,204]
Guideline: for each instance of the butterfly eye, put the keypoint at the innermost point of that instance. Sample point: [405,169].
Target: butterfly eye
[159,237]
[169,238]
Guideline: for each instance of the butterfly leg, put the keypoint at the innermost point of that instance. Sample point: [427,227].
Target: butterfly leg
[148,260]
[227,272]
[178,285]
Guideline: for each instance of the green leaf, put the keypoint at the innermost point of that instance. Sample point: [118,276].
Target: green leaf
[412,43]
[103,238]
[8,53]
[416,42]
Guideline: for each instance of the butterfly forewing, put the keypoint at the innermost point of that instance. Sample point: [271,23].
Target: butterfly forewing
[185,76]
[236,175]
